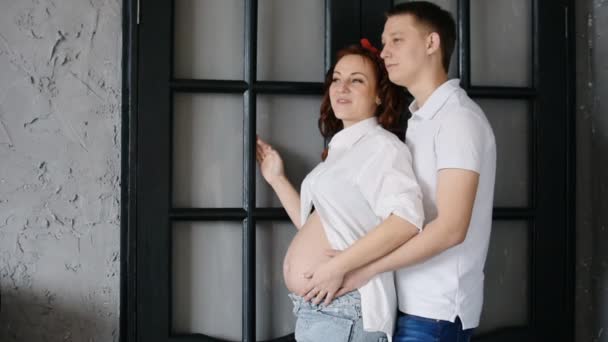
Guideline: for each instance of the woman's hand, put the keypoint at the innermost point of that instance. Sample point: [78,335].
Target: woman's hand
[271,164]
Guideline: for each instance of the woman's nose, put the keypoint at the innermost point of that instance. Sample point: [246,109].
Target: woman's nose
[343,87]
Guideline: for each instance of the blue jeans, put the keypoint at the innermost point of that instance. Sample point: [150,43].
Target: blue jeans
[340,321]
[412,328]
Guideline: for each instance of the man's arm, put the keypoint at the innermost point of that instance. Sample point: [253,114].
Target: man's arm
[456,190]
[384,238]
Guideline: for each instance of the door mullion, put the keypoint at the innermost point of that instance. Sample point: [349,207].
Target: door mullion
[249,137]
[464,43]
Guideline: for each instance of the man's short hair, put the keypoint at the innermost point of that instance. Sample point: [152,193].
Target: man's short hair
[435,18]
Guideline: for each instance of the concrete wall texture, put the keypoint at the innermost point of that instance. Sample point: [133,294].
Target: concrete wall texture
[60,88]
[60,80]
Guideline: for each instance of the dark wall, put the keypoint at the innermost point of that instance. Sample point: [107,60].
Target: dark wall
[592,170]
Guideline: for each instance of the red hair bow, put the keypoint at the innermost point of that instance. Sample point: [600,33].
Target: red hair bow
[368,46]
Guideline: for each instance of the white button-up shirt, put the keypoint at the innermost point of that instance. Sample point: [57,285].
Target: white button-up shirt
[450,131]
[366,177]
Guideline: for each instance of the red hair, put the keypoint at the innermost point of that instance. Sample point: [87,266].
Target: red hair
[392,97]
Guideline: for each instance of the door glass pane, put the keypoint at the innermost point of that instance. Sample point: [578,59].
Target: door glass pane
[510,120]
[209,39]
[452,7]
[207,150]
[506,294]
[206,279]
[290,124]
[291,40]
[501,42]
[274,308]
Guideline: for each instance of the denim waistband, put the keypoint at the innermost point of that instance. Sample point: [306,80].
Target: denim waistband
[347,305]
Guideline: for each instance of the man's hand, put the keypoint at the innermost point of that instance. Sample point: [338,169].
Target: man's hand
[355,280]
[324,283]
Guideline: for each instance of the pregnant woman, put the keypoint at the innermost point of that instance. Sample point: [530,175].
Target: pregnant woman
[365,179]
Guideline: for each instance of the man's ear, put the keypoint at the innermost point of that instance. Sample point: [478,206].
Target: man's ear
[433,41]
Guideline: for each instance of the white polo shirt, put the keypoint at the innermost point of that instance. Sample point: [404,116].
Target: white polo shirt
[366,177]
[450,131]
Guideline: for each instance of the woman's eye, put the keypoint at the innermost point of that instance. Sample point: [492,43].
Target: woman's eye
[357,80]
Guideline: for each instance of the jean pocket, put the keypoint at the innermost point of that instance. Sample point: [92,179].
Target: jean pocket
[315,326]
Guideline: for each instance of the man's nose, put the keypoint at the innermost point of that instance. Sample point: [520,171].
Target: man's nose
[384,53]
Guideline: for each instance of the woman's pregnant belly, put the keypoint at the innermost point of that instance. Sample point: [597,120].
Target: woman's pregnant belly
[305,253]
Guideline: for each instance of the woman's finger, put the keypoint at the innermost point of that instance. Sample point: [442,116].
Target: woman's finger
[262,143]
[259,153]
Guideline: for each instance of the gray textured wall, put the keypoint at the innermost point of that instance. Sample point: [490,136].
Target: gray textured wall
[592,170]
[60,167]
[60,81]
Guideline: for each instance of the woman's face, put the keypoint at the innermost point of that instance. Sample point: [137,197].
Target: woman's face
[353,92]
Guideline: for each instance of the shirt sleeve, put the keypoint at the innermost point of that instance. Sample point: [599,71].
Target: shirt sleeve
[459,143]
[305,200]
[388,183]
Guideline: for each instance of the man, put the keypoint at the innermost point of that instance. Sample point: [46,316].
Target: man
[439,272]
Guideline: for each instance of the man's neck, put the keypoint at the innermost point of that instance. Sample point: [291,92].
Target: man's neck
[426,85]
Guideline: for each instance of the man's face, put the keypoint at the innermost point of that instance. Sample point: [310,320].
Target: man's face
[405,49]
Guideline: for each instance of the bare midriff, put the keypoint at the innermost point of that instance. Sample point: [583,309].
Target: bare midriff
[306,251]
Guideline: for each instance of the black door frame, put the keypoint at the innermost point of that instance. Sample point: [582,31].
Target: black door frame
[552,282]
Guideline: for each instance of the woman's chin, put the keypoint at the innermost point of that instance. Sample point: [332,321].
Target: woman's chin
[345,116]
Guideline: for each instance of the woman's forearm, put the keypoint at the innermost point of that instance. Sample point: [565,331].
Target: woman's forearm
[289,197]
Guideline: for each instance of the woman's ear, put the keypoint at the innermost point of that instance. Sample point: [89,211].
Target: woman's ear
[378,101]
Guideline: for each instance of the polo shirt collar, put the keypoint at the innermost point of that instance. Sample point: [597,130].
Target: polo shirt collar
[347,137]
[436,100]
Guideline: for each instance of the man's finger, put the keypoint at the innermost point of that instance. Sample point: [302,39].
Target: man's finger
[342,292]
[305,291]
[329,298]
[310,294]
[319,298]
[332,252]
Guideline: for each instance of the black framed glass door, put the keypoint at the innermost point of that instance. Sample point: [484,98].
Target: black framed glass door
[203,236]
